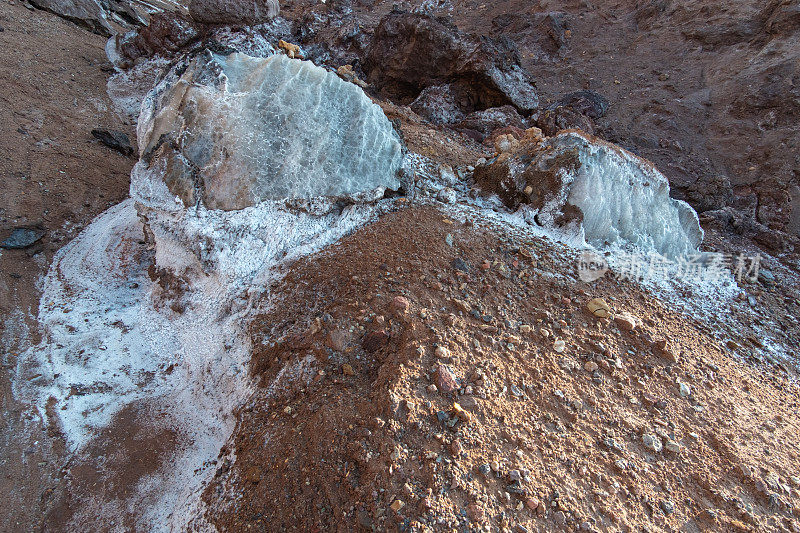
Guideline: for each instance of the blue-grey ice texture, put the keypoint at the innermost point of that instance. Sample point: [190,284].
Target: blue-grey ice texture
[231,131]
[623,198]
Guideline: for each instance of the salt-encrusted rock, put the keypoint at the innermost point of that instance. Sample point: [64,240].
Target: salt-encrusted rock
[488,120]
[438,104]
[95,15]
[609,194]
[231,131]
[166,34]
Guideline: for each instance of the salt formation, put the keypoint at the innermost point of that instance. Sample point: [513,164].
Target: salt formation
[642,213]
[115,337]
[149,306]
[610,195]
[231,131]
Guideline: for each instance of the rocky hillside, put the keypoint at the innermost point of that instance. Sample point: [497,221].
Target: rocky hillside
[411,384]
[414,267]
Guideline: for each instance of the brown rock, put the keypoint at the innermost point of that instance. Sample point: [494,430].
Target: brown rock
[456,448]
[337,340]
[660,343]
[399,306]
[475,512]
[397,505]
[347,73]
[599,308]
[233,12]
[445,379]
[291,50]
[496,118]
[552,121]
[505,143]
[626,321]
[461,413]
[468,402]
[510,175]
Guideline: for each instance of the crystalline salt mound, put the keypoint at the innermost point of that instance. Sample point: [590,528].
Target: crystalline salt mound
[611,195]
[231,131]
[624,198]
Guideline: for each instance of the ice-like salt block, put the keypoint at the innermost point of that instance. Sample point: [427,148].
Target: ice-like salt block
[231,131]
[612,196]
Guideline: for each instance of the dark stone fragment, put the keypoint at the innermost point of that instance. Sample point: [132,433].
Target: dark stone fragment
[460,264]
[22,238]
[116,140]
[375,340]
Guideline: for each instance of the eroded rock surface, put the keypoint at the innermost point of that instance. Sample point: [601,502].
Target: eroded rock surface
[95,15]
[233,12]
[231,131]
[167,33]
[413,51]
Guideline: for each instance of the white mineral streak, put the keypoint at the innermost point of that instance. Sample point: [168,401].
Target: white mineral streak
[113,338]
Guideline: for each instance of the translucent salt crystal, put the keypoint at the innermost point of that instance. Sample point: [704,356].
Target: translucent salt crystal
[231,131]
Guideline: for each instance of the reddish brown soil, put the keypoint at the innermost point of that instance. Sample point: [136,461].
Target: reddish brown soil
[333,446]
[336,452]
[53,173]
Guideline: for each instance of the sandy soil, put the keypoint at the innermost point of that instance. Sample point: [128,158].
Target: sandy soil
[54,174]
[353,414]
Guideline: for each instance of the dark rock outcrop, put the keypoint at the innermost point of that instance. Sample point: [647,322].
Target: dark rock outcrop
[116,140]
[94,15]
[22,238]
[412,51]
[233,12]
[438,104]
[551,121]
[573,111]
[166,34]
[491,119]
